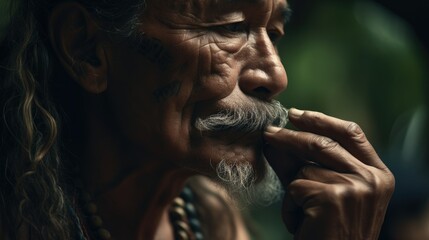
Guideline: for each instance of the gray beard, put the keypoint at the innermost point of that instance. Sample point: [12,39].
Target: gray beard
[253,116]
[242,184]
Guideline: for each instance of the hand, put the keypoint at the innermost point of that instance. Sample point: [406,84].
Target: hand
[336,185]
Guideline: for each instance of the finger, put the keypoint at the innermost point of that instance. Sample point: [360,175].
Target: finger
[346,133]
[321,217]
[316,148]
[285,164]
[292,214]
[304,190]
[320,174]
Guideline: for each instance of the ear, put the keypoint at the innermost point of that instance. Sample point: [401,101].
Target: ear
[79,45]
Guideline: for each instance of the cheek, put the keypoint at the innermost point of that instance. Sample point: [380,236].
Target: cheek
[147,103]
[218,70]
[130,97]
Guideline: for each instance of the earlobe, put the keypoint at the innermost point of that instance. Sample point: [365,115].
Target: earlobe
[91,71]
[80,45]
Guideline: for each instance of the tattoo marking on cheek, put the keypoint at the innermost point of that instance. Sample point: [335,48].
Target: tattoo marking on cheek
[154,51]
[169,90]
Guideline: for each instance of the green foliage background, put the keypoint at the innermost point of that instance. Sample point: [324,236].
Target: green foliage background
[357,61]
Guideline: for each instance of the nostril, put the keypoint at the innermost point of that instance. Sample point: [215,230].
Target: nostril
[262,90]
[264,81]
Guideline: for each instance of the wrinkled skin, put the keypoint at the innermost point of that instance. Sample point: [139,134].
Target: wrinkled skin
[337,186]
[220,54]
[209,55]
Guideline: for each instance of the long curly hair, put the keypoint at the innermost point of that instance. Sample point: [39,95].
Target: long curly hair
[33,193]
[35,185]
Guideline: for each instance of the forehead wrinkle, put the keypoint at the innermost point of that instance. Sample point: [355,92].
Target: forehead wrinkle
[201,10]
[185,6]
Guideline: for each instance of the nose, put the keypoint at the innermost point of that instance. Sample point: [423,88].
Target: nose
[263,74]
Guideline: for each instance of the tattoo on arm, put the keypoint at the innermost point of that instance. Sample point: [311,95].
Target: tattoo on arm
[169,90]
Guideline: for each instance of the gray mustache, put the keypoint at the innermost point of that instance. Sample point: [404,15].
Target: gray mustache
[254,116]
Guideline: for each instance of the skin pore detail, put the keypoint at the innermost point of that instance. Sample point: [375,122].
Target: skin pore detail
[204,75]
[222,38]
[171,89]
[215,61]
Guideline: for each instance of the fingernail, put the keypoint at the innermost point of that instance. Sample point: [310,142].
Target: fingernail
[272,129]
[295,112]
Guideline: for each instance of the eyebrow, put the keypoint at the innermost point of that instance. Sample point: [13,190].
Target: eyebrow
[286,14]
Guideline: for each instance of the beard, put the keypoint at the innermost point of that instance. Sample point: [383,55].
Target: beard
[251,117]
[242,182]
[246,182]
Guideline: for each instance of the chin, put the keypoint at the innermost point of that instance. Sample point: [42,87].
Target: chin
[247,182]
[237,164]
[230,147]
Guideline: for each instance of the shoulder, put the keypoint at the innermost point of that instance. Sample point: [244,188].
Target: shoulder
[218,209]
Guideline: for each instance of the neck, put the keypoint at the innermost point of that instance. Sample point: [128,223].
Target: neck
[132,190]
[133,209]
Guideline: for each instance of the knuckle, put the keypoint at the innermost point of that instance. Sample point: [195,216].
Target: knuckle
[352,193]
[368,187]
[312,212]
[356,190]
[354,131]
[304,172]
[380,182]
[389,182]
[320,143]
[364,191]
[339,194]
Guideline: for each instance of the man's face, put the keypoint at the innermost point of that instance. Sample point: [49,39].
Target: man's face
[196,58]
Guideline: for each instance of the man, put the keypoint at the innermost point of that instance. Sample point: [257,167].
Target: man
[111,108]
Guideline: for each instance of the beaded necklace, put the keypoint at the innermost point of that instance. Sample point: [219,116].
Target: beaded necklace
[182,212]
[184,217]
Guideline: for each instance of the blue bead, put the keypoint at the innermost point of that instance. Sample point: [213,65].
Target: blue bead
[195,224]
[190,210]
[199,236]
[187,194]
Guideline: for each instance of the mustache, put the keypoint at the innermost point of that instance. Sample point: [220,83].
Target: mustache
[254,116]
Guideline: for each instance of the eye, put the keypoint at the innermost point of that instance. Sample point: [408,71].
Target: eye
[232,28]
[235,27]
[274,36]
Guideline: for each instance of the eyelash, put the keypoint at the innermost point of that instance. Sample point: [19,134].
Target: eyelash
[274,36]
[242,27]
[236,27]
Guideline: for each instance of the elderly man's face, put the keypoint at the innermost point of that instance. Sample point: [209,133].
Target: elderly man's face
[195,59]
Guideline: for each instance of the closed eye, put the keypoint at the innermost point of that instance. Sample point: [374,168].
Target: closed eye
[274,36]
[235,27]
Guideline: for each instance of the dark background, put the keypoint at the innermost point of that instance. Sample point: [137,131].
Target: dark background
[365,61]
